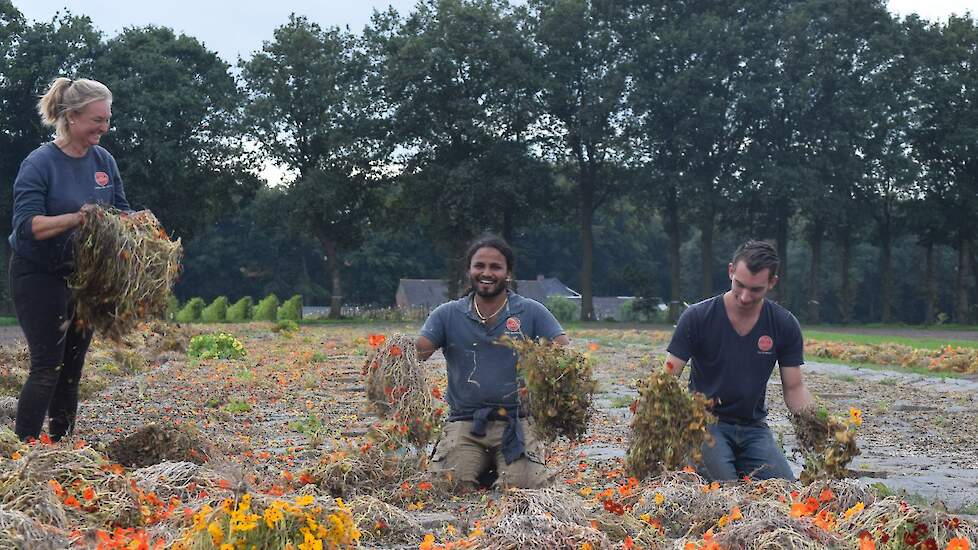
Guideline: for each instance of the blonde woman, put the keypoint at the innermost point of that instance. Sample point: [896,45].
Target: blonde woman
[55,183]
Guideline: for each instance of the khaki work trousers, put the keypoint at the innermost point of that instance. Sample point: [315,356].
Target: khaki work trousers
[465,457]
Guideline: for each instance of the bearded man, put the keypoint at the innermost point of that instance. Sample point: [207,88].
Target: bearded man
[488,427]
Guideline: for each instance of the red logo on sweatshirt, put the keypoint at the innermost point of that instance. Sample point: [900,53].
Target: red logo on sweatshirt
[765,343]
[513,324]
[101,178]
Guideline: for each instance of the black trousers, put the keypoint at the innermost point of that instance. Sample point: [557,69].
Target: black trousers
[45,311]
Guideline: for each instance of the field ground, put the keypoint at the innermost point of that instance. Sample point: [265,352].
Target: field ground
[279,408]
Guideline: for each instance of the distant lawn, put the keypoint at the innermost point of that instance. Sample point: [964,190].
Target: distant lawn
[8,321]
[918,343]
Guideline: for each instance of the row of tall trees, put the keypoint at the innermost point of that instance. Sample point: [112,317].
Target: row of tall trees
[827,124]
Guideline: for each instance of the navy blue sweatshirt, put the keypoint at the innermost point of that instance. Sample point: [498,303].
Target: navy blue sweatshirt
[51,183]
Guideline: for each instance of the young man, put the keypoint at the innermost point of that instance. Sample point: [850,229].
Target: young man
[734,340]
[487,425]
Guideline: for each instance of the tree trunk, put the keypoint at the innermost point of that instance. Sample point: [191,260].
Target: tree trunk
[586,206]
[930,286]
[961,281]
[814,279]
[846,297]
[457,273]
[783,289]
[673,230]
[886,259]
[333,267]
[707,288]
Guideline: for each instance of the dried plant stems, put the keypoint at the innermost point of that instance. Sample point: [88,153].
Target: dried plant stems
[559,388]
[669,427]
[398,388]
[125,266]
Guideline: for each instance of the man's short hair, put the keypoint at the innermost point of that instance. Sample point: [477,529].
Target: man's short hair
[488,240]
[758,255]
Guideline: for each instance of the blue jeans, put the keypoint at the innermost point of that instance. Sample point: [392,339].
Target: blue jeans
[740,450]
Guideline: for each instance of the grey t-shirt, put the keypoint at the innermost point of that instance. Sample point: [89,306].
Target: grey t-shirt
[731,369]
[481,371]
[51,183]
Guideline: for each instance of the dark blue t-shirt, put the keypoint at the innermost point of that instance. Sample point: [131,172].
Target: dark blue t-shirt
[481,371]
[51,183]
[731,369]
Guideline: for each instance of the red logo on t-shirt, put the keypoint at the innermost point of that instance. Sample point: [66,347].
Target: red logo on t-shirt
[513,324]
[101,178]
[765,343]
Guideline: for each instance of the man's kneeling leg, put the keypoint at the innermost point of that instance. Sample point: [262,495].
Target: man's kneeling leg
[530,470]
[460,455]
[718,455]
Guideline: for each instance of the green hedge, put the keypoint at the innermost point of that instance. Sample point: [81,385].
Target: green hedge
[241,310]
[191,311]
[216,312]
[563,309]
[266,309]
[291,309]
[172,308]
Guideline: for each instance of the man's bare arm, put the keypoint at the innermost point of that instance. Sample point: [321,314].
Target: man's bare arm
[674,365]
[425,348]
[796,395]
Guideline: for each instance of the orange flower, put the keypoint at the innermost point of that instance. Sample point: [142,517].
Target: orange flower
[798,510]
[826,495]
[395,351]
[58,489]
[425,486]
[436,392]
[72,501]
[88,493]
[866,541]
[735,513]
[593,346]
[628,543]
[958,543]
[376,340]
[46,439]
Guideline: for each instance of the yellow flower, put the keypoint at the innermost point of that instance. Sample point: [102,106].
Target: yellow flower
[659,499]
[305,500]
[227,546]
[217,535]
[858,507]
[273,515]
[586,491]
[855,416]
[200,518]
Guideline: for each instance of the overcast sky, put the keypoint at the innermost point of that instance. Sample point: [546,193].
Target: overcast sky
[235,28]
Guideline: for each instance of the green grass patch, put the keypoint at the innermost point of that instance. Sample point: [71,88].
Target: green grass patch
[870,339]
[237,406]
[8,321]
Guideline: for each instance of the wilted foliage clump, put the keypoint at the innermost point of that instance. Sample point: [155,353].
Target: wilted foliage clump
[125,266]
[827,442]
[669,427]
[559,387]
[398,389]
